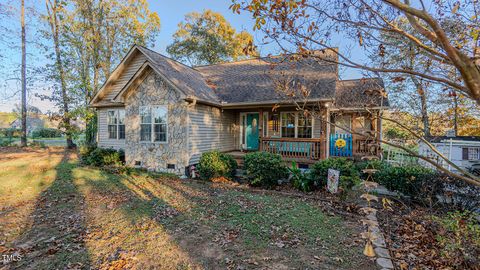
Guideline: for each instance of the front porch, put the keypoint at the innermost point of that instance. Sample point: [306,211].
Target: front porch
[306,139]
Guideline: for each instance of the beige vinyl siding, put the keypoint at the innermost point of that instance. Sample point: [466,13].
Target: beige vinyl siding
[103,140]
[211,129]
[317,127]
[130,69]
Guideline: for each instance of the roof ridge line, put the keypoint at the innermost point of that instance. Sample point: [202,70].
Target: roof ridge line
[363,78]
[254,58]
[169,58]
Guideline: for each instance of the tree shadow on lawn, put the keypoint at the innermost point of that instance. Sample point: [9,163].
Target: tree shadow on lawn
[55,239]
[207,227]
[125,222]
[276,231]
[23,176]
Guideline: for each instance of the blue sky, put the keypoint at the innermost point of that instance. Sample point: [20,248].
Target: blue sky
[171,12]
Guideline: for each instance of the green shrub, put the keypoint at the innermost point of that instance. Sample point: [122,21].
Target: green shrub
[11,132]
[6,141]
[102,157]
[459,236]
[46,133]
[216,164]
[409,180]
[375,164]
[349,174]
[300,180]
[264,169]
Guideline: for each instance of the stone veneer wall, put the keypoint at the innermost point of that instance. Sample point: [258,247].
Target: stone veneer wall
[155,156]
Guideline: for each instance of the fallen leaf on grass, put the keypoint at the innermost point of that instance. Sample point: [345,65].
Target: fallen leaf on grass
[369,197]
[226,237]
[52,250]
[338,259]
[251,261]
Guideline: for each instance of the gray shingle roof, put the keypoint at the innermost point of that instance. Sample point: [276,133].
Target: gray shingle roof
[360,93]
[257,80]
[185,78]
[260,80]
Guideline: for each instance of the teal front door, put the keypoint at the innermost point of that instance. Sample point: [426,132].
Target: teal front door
[251,131]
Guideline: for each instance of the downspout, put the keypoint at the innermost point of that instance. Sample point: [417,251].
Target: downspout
[190,105]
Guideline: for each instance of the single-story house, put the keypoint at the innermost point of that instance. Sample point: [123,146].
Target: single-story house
[463,151]
[33,123]
[165,114]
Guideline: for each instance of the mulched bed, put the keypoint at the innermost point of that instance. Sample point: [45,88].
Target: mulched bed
[413,238]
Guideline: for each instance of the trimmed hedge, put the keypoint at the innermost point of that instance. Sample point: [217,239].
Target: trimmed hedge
[46,133]
[216,164]
[349,174]
[264,169]
[411,180]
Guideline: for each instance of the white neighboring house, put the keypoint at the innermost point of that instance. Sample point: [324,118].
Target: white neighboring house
[463,151]
[33,123]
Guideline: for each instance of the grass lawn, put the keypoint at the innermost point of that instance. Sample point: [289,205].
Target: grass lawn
[59,215]
[60,141]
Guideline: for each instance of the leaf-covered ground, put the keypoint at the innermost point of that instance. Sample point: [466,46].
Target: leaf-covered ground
[422,238]
[59,215]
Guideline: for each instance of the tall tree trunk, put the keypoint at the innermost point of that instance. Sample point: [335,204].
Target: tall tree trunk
[52,9]
[455,112]
[24,79]
[423,106]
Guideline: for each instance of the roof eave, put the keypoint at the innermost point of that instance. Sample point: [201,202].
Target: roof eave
[273,102]
[110,105]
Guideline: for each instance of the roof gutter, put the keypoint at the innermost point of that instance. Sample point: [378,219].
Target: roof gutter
[192,99]
[358,108]
[273,102]
[111,105]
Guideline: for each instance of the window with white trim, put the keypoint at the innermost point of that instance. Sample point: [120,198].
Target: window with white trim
[159,123]
[304,126]
[273,125]
[116,124]
[121,124]
[288,124]
[474,153]
[153,123]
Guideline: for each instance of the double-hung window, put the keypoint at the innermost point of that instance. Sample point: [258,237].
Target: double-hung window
[471,153]
[273,124]
[116,124]
[304,129]
[160,123]
[288,124]
[121,124]
[296,125]
[153,123]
